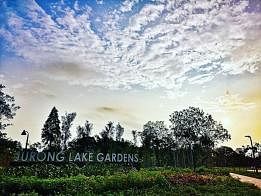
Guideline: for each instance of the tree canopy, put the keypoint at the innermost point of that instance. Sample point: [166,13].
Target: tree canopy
[193,126]
[7,109]
[84,131]
[67,120]
[51,133]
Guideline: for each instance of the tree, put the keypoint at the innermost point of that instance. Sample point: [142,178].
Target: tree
[119,132]
[36,146]
[7,110]
[51,134]
[135,137]
[153,134]
[153,137]
[193,126]
[67,120]
[85,131]
[8,148]
[108,132]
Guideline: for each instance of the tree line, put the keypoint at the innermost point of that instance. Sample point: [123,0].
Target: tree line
[190,140]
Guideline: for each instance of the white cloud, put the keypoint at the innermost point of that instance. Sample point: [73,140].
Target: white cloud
[229,102]
[127,5]
[157,46]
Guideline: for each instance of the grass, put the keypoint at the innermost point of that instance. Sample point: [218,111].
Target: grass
[152,181]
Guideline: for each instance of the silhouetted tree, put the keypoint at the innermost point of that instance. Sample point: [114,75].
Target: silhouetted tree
[135,137]
[84,131]
[199,130]
[193,126]
[119,132]
[67,120]
[36,146]
[153,136]
[7,110]
[108,132]
[51,134]
[8,147]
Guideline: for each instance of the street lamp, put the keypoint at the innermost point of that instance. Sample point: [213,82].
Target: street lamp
[24,132]
[253,155]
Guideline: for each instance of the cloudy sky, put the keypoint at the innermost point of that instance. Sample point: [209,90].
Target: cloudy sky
[132,61]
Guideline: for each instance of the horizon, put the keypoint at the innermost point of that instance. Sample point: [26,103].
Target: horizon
[132,62]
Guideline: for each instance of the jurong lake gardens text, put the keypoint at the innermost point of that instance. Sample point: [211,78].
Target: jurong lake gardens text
[34,156]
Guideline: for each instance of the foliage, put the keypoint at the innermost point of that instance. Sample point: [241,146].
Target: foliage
[51,134]
[193,126]
[67,120]
[190,178]
[153,134]
[144,182]
[65,170]
[119,132]
[7,109]
[85,131]
[8,147]
[109,130]
[135,137]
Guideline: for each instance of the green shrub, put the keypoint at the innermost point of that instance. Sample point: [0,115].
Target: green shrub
[144,182]
[66,170]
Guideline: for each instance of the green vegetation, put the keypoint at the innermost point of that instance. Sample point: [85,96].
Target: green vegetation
[153,181]
[65,170]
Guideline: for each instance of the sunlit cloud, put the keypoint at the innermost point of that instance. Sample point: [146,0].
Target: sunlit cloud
[229,103]
[155,46]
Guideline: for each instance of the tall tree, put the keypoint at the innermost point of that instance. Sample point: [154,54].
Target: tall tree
[153,137]
[84,131]
[135,137]
[7,110]
[108,132]
[51,134]
[153,134]
[193,126]
[67,120]
[119,132]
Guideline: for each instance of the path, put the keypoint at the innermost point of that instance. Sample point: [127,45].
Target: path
[241,178]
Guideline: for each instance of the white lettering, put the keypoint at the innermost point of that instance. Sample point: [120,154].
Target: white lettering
[125,158]
[77,157]
[39,157]
[91,157]
[100,157]
[119,157]
[136,160]
[113,159]
[32,156]
[60,156]
[107,157]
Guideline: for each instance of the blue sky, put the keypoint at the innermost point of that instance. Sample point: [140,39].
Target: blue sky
[158,55]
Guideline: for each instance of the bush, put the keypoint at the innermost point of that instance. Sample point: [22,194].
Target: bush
[144,182]
[66,170]
[81,183]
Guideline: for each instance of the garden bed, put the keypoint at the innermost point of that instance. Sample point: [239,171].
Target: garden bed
[143,182]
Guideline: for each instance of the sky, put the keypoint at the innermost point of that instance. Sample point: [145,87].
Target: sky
[131,62]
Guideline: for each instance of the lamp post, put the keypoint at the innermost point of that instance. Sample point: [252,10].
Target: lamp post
[24,132]
[253,155]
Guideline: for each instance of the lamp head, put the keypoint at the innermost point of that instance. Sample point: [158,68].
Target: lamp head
[23,132]
[247,136]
